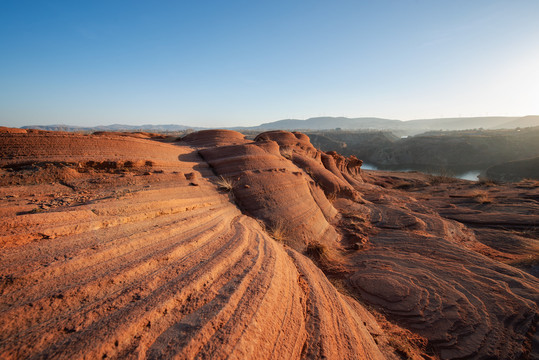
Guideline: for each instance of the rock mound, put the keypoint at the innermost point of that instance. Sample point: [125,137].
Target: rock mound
[118,246]
[155,267]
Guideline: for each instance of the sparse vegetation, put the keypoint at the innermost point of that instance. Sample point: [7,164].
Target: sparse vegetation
[403,347]
[443,176]
[318,250]
[486,182]
[286,152]
[278,231]
[327,258]
[406,344]
[225,184]
[310,173]
[332,196]
[435,179]
[482,197]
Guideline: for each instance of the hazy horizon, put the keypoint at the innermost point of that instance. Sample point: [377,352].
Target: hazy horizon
[243,64]
[253,125]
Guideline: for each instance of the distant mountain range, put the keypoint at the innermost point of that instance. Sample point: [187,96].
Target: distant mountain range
[410,127]
[114,127]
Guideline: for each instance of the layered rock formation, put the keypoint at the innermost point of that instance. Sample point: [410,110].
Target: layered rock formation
[127,247]
[414,265]
[151,261]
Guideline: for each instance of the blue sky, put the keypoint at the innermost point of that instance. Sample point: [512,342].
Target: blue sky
[226,63]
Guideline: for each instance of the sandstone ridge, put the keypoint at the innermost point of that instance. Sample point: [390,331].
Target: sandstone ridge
[215,246]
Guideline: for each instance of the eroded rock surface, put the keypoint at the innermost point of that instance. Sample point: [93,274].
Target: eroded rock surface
[121,246]
[151,262]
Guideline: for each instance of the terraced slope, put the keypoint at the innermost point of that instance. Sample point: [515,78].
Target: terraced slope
[116,247]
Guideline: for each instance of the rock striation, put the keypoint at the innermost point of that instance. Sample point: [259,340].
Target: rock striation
[216,246]
[153,263]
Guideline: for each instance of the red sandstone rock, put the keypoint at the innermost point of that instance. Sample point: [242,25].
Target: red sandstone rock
[147,266]
[98,260]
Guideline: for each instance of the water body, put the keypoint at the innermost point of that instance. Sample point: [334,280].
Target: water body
[472,175]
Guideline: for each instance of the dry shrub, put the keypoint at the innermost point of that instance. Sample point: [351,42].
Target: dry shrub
[328,259]
[441,179]
[225,184]
[482,197]
[310,173]
[486,182]
[405,347]
[282,232]
[286,152]
[318,250]
[332,196]
[442,176]
[341,285]
[406,344]
[278,231]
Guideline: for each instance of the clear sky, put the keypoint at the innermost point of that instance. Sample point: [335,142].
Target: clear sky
[225,63]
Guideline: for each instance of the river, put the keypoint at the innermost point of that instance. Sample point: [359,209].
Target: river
[457,173]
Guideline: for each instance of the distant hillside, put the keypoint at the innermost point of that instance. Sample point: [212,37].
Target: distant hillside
[113,127]
[398,127]
[322,123]
[362,144]
[411,127]
[526,121]
[476,149]
[514,170]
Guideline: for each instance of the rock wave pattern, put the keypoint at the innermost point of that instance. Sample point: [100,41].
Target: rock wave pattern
[154,261]
[215,246]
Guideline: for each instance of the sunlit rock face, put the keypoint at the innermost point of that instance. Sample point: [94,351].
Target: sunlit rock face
[121,246]
[116,247]
[434,264]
